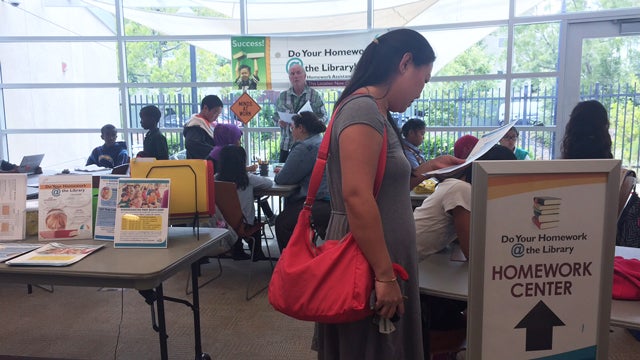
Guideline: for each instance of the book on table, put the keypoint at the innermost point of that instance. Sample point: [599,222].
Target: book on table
[55,254]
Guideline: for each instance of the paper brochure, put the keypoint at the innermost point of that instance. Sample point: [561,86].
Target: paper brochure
[13,202]
[64,207]
[142,213]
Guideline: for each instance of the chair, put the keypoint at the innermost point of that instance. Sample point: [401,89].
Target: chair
[627,182]
[228,203]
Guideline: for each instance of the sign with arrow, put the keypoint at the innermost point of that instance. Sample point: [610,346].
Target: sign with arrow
[541,267]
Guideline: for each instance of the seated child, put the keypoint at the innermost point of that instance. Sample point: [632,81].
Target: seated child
[232,161]
[112,153]
[446,214]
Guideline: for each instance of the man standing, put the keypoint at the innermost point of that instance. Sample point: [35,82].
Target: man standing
[291,101]
[198,131]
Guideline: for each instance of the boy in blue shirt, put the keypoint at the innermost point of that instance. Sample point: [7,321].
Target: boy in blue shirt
[112,153]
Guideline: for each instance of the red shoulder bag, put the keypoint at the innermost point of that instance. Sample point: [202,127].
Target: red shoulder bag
[330,283]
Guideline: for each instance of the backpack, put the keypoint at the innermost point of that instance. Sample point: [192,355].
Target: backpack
[629,223]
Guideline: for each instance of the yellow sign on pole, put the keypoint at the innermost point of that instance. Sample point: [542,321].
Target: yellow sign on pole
[245,108]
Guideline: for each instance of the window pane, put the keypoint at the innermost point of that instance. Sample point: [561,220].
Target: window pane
[77,148]
[80,108]
[295,16]
[536,47]
[172,61]
[70,62]
[475,51]
[443,12]
[533,102]
[57,18]
[170,18]
[550,7]
[468,103]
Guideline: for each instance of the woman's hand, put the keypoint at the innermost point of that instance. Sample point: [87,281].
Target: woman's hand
[252,168]
[389,299]
[443,161]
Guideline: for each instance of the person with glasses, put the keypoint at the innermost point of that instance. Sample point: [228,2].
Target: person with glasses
[509,141]
[198,131]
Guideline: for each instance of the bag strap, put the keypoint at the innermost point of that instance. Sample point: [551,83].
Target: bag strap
[323,153]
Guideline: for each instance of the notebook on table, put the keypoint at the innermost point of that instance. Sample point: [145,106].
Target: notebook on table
[30,163]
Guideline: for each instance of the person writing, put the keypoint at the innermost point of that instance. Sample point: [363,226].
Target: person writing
[306,130]
[291,101]
[413,136]
[390,74]
[198,131]
[112,153]
[155,144]
[244,78]
[509,141]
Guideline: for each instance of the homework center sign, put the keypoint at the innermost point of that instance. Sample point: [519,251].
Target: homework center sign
[536,290]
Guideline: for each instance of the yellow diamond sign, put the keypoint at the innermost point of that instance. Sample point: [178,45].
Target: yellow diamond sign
[245,108]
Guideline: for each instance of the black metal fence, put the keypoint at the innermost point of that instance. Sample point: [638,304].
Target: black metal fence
[449,114]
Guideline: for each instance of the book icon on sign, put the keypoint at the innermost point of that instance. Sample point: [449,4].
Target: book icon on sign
[546,212]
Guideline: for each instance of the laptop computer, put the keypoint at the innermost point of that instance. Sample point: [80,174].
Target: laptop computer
[30,163]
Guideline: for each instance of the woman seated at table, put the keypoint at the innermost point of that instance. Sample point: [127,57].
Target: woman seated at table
[306,130]
[509,140]
[232,168]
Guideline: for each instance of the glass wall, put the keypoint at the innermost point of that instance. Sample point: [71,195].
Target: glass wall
[67,68]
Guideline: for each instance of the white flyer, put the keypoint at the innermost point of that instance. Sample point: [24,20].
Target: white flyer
[106,207]
[64,207]
[13,202]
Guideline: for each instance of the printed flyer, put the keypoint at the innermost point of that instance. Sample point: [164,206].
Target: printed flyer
[13,202]
[106,207]
[142,213]
[64,207]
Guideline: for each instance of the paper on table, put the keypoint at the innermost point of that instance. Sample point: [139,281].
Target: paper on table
[485,143]
[92,168]
[11,250]
[287,117]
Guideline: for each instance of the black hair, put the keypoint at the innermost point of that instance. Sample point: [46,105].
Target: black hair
[233,159]
[106,128]
[310,122]
[413,124]
[586,135]
[380,60]
[244,66]
[497,152]
[152,112]
[210,101]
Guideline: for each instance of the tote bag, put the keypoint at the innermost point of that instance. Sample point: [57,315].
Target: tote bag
[330,283]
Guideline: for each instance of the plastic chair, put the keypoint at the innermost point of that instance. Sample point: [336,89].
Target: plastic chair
[228,203]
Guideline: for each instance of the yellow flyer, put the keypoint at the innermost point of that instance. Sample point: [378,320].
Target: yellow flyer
[142,213]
